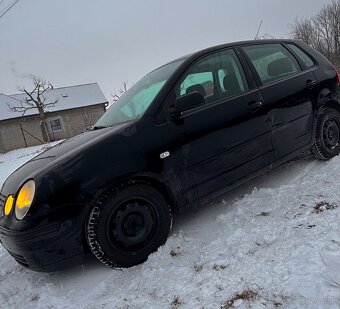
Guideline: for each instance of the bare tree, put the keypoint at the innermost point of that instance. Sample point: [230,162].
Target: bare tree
[266,36]
[36,99]
[90,117]
[121,91]
[322,31]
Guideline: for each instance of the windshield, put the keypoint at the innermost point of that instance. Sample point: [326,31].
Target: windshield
[133,103]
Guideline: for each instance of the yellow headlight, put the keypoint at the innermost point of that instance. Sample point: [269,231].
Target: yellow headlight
[9,205]
[24,199]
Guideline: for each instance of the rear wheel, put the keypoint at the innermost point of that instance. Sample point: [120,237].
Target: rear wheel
[327,134]
[128,224]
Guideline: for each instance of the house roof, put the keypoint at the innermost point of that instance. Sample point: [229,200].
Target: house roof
[68,98]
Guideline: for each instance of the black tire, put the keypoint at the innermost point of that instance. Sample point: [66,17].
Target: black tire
[127,224]
[327,134]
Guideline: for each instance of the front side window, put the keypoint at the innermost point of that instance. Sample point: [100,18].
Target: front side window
[133,103]
[272,62]
[218,76]
[205,79]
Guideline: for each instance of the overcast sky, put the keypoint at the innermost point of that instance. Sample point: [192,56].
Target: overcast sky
[81,41]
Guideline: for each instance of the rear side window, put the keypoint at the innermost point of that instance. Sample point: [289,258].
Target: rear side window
[272,62]
[302,55]
[217,76]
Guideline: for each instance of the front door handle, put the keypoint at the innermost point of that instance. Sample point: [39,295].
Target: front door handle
[310,84]
[254,107]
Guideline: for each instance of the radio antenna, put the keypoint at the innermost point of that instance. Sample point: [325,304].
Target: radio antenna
[258,30]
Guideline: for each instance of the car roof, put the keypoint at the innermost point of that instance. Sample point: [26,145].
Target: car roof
[226,45]
[233,44]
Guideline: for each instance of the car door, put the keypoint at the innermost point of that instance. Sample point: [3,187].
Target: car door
[288,93]
[229,136]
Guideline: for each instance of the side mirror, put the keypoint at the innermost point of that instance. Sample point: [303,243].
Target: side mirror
[188,101]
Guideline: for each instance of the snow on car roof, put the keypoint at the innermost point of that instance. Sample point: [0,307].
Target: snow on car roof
[68,98]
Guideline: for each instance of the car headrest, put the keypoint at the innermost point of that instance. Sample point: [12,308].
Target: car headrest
[280,66]
[230,83]
[197,87]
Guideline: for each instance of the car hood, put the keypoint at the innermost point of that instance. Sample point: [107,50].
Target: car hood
[58,154]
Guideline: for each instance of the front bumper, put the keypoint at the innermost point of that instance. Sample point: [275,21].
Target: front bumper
[48,248]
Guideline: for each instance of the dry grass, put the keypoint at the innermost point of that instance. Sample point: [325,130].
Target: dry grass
[219,267]
[176,302]
[263,214]
[247,295]
[35,298]
[176,252]
[333,284]
[322,206]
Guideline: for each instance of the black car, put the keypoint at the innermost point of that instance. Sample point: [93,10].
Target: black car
[184,134]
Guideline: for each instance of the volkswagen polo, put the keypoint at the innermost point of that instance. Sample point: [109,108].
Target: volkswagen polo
[185,133]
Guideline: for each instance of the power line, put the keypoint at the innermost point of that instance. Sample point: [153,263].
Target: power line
[6,10]
[6,95]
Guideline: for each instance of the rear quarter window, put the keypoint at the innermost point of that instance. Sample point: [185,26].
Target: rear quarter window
[308,61]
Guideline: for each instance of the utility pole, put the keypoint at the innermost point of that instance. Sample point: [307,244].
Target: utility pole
[23,134]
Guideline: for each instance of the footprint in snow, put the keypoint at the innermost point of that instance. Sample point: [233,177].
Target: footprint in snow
[330,254]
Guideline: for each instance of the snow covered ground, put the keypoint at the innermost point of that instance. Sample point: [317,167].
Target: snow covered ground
[274,242]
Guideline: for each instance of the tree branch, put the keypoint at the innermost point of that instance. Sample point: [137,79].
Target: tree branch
[116,96]
[20,109]
[51,104]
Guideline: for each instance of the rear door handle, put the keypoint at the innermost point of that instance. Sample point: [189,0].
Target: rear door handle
[253,107]
[310,84]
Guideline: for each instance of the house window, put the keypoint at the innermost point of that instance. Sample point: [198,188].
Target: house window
[56,125]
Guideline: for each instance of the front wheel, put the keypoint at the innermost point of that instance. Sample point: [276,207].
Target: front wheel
[127,224]
[327,134]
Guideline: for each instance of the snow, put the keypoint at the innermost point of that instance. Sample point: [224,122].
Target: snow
[273,242]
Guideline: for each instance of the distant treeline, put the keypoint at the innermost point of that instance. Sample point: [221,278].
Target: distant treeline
[322,31]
